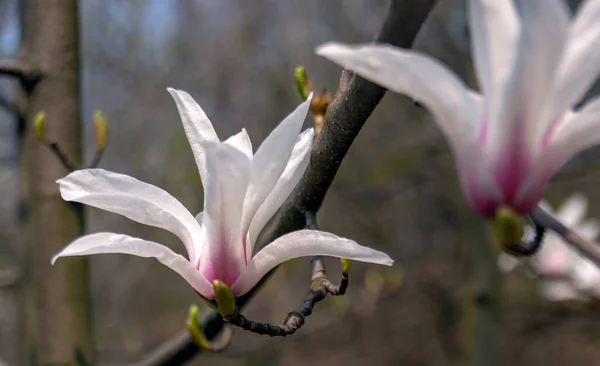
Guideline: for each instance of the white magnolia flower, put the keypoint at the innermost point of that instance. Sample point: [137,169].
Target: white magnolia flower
[533,63]
[242,191]
[564,272]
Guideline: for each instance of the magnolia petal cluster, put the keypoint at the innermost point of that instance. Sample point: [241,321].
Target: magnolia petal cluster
[564,272]
[533,62]
[242,191]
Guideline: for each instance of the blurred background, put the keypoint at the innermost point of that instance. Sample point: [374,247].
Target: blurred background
[396,191]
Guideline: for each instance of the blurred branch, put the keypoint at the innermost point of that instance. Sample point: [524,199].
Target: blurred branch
[589,249]
[344,119]
[19,70]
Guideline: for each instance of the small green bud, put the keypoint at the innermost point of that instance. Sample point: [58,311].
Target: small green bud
[346,265]
[302,83]
[225,299]
[101,130]
[508,228]
[195,328]
[39,124]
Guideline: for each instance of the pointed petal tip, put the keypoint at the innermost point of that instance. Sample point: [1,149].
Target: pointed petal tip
[329,48]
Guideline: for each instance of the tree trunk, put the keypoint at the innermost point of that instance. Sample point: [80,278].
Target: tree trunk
[58,319]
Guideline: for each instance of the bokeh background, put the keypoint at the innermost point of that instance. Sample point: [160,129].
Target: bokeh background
[396,191]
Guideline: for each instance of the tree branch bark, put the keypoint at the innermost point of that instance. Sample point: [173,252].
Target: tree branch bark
[20,70]
[57,311]
[345,117]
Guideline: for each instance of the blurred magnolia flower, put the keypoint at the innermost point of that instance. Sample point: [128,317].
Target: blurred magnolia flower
[242,191]
[533,64]
[565,273]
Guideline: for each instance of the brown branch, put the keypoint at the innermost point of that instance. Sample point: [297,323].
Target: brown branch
[320,287]
[21,71]
[344,119]
[62,156]
[587,248]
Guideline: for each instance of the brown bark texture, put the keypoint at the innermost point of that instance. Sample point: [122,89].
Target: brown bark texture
[57,319]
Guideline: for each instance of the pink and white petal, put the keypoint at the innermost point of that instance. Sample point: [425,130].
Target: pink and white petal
[518,117]
[580,62]
[589,229]
[241,141]
[108,243]
[507,262]
[494,28]
[270,161]
[199,217]
[290,177]
[418,76]
[136,200]
[304,243]
[228,173]
[558,290]
[197,126]
[573,134]
[572,212]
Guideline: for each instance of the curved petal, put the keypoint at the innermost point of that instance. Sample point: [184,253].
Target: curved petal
[572,212]
[301,244]
[197,126]
[580,62]
[199,217]
[228,171]
[105,243]
[558,290]
[136,200]
[241,141]
[494,29]
[290,177]
[589,229]
[417,76]
[516,122]
[270,161]
[573,134]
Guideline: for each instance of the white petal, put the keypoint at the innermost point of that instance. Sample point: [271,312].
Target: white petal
[580,62]
[136,200]
[228,172]
[494,27]
[197,126]
[270,161]
[589,229]
[572,212]
[574,133]
[417,76]
[301,244]
[519,113]
[241,141]
[290,177]
[507,263]
[104,243]
[558,290]
[199,217]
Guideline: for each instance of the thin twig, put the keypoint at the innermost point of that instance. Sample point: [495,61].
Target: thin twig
[97,158]
[589,249]
[343,121]
[320,287]
[62,156]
